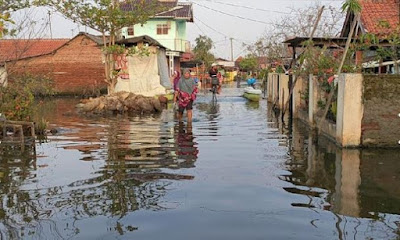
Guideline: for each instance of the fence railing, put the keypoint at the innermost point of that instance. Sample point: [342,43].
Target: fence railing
[179,45]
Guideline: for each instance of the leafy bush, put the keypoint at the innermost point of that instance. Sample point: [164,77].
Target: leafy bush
[17,98]
[39,86]
[16,103]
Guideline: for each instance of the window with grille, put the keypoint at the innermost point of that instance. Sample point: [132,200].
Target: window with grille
[162,29]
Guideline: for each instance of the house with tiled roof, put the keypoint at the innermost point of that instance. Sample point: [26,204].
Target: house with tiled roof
[168,27]
[380,18]
[75,65]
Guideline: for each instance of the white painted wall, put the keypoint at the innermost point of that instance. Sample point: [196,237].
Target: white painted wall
[3,76]
[350,110]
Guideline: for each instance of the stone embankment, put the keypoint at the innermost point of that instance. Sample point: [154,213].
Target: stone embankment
[122,102]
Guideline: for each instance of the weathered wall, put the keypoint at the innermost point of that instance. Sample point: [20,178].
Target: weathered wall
[78,66]
[3,75]
[283,90]
[75,68]
[381,123]
[350,110]
[278,89]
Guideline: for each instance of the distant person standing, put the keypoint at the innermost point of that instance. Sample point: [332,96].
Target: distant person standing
[238,79]
[215,83]
[252,81]
[185,95]
[175,79]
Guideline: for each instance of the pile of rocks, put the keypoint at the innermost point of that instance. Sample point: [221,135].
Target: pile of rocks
[121,102]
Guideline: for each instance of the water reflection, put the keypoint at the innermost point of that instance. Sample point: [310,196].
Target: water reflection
[211,113]
[210,108]
[252,105]
[129,160]
[144,177]
[186,146]
[349,182]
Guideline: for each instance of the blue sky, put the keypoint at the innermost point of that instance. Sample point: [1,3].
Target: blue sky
[242,20]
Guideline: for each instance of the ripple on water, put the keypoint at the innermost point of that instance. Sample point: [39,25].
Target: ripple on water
[234,173]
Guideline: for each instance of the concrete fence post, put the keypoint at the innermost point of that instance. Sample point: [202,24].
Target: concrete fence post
[296,98]
[312,99]
[275,95]
[270,87]
[283,90]
[350,110]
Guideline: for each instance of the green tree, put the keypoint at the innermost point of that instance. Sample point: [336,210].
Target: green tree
[202,50]
[249,63]
[108,17]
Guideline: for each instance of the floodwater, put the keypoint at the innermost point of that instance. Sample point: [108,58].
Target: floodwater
[236,173]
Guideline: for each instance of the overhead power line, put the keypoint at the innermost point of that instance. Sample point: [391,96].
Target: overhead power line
[247,7]
[257,9]
[211,28]
[201,30]
[232,15]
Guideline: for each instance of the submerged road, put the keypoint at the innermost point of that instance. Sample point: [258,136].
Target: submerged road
[235,173]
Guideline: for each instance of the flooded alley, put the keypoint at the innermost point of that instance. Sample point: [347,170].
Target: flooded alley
[236,172]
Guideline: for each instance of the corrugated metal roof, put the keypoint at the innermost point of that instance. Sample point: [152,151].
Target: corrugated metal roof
[139,39]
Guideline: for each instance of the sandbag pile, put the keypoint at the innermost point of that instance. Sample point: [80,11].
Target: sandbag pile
[121,102]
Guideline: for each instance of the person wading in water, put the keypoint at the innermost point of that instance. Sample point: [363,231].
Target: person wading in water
[185,94]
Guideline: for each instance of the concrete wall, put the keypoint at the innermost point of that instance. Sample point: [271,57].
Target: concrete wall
[77,67]
[368,108]
[347,130]
[350,110]
[278,89]
[313,98]
[3,76]
[283,90]
[297,96]
[380,122]
[272,87]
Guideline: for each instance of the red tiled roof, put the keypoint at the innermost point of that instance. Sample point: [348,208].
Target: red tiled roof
[12,49]
[375,12]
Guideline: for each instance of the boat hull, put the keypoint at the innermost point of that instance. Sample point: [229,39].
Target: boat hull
[252,97]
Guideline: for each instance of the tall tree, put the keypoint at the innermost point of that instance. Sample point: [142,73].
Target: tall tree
[301,22]
[249,63]
[108,17]
[270,46]
[202,50]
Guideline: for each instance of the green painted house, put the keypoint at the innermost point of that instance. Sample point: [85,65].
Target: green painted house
[168,28]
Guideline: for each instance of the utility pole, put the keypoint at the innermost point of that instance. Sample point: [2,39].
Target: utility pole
[231,49]
[51,33]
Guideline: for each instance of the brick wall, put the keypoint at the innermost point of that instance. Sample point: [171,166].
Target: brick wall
[380,123]
[78,66]
[75,68]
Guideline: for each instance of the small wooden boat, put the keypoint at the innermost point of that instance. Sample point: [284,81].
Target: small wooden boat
[252,94]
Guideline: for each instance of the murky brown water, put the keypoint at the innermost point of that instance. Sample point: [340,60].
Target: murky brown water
[236,173]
